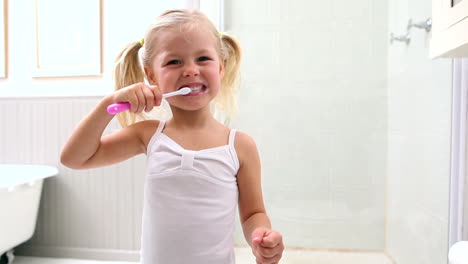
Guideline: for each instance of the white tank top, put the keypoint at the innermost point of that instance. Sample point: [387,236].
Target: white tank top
[190,203]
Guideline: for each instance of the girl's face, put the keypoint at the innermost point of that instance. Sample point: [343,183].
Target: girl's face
[187,59]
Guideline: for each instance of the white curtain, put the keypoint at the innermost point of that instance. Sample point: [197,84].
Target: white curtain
[458,182]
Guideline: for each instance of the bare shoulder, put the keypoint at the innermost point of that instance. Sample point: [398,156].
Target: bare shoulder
[246,147]
[144,130]
[243,140]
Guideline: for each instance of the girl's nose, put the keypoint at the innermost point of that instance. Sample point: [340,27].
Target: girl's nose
[191,69]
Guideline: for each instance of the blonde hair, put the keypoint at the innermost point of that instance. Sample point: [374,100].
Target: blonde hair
[128,69]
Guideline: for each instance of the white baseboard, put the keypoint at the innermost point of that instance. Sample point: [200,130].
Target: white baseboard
[78,253]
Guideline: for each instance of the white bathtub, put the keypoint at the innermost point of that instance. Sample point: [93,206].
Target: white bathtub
[20,192]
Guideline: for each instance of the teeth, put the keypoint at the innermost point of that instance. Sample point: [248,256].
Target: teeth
[197,89]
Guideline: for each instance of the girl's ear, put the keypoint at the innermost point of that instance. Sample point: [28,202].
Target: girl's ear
[221,70]
[150,76]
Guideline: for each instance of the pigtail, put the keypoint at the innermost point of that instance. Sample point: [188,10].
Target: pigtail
[226,101]
[127,71]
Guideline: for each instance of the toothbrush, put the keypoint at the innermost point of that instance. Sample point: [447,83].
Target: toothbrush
[120,107]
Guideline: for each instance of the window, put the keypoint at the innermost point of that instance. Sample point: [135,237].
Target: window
[121,24]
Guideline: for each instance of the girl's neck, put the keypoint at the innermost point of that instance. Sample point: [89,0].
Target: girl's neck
[192,119]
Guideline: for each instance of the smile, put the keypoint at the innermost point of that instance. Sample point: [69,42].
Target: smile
[197,89]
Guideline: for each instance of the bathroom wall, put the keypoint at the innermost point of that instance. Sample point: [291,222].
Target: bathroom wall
[419,120]
[314,97]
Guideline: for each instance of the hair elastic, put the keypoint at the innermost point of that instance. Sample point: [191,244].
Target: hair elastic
[142,41]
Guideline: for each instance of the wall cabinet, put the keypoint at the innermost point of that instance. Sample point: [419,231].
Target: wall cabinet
[450,29]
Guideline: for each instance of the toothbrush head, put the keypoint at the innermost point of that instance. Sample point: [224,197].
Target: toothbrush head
[185,90]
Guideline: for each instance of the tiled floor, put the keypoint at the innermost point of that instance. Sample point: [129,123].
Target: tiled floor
[244,256]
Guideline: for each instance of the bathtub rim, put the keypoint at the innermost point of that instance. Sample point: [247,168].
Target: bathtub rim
[17,174]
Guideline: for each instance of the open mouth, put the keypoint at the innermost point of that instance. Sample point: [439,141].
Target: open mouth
[196,89]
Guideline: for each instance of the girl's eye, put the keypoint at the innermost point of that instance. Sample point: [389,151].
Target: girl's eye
[174,62]
[203,58]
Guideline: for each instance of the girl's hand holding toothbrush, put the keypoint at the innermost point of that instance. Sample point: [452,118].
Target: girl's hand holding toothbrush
[136,97]
[141,96]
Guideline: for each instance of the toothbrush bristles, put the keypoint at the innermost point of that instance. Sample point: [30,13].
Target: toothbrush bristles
[185,90]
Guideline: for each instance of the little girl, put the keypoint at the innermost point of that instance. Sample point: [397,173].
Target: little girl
[198,170]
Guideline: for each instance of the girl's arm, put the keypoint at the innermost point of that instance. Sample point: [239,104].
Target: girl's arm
[267,245]
[251,207]
[87,148]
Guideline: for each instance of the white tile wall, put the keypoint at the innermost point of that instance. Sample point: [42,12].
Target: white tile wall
[314,98]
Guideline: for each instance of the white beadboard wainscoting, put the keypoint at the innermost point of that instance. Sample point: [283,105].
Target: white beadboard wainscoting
[84,213]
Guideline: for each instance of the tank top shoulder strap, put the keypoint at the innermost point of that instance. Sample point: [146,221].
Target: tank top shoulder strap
[161,125]
[232,137]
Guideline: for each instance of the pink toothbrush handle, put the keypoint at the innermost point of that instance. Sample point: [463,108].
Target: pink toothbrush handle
[117,108]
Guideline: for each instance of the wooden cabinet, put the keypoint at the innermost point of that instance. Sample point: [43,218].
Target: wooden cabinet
[450,29]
